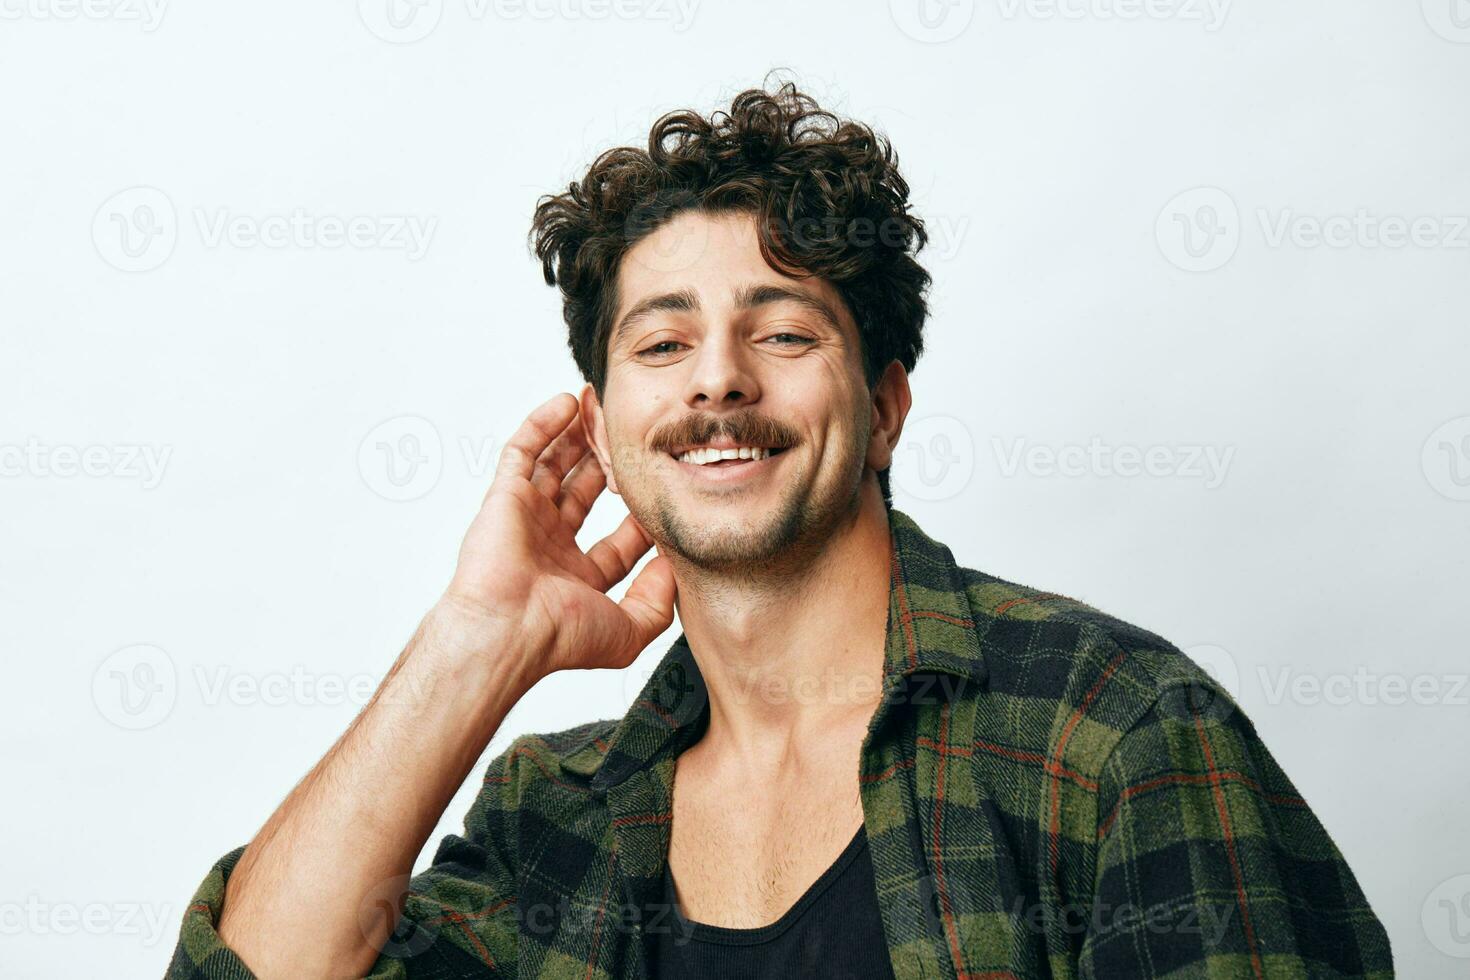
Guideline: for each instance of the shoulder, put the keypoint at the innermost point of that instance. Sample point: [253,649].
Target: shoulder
[1088,676]
[568,757]
[541,782]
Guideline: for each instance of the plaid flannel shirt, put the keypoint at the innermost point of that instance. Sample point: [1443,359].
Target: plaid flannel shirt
[1047,792]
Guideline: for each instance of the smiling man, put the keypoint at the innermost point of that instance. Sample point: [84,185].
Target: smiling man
[859,758]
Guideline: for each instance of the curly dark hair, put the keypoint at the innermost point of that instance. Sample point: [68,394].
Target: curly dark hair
[826,194]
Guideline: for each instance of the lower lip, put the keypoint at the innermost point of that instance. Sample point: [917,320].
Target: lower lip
[735,472]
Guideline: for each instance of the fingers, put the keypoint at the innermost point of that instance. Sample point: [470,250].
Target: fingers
[615,555]
[649,601]
[536,433]
[581,490]
[564,452]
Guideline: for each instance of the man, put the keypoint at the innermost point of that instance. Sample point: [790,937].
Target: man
[859,758]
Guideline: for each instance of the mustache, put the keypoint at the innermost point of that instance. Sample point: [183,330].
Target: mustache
[746,428]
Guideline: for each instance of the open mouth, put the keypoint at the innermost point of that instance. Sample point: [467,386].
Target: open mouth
[710,458]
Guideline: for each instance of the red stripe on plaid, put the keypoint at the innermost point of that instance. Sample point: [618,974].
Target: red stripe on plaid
[900,587]
[1215,780]
[1190,778]
[642,818]
[467,916]
[942,617]
[663,714]
[601,911]
[1010,604]
[528,753]
[951,929]
[887,773]
[1006,752]
[1054,766]
[462,921]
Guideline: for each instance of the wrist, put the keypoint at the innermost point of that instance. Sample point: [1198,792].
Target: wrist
[469,641]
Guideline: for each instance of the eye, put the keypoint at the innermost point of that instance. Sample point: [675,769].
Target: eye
[653,349]
[798,338]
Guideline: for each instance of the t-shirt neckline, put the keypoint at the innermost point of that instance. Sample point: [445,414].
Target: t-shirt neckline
[730,936]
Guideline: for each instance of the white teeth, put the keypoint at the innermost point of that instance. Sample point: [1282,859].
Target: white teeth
[700,457]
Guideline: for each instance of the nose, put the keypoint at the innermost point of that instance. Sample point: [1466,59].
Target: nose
[721,374]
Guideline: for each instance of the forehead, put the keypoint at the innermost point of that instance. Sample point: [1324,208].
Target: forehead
[716,257]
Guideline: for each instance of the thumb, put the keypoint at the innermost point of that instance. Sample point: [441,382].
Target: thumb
[649,602]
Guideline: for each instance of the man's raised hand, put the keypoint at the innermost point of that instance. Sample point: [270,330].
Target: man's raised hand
[521,574]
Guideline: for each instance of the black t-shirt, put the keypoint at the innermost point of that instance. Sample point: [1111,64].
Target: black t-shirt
[833,932]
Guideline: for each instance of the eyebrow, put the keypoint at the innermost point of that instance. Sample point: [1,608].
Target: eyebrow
[746,298]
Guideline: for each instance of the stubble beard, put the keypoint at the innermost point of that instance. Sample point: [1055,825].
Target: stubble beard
[775,542]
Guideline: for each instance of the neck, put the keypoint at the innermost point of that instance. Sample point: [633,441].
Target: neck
[792,653]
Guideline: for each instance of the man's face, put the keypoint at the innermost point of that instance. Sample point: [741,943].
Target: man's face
[710,346]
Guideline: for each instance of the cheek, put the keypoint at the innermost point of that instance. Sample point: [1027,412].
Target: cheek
[838,428]
[631,418]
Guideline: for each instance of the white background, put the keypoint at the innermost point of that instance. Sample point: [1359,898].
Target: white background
[1048,148]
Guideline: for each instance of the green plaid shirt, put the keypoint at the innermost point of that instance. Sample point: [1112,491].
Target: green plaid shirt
[1047,792]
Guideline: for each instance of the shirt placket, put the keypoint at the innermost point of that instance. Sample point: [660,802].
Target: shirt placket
[896,823]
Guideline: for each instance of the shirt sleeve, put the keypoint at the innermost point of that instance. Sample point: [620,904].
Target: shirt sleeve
[1210,864]
[459,917]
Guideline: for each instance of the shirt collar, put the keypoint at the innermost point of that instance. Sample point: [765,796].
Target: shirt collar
[930,632]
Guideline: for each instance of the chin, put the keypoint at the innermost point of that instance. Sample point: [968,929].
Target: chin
[729,535]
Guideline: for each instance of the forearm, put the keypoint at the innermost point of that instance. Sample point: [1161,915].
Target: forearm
[308,896]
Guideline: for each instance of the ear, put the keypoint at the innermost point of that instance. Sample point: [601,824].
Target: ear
[891,402]
[594,426]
